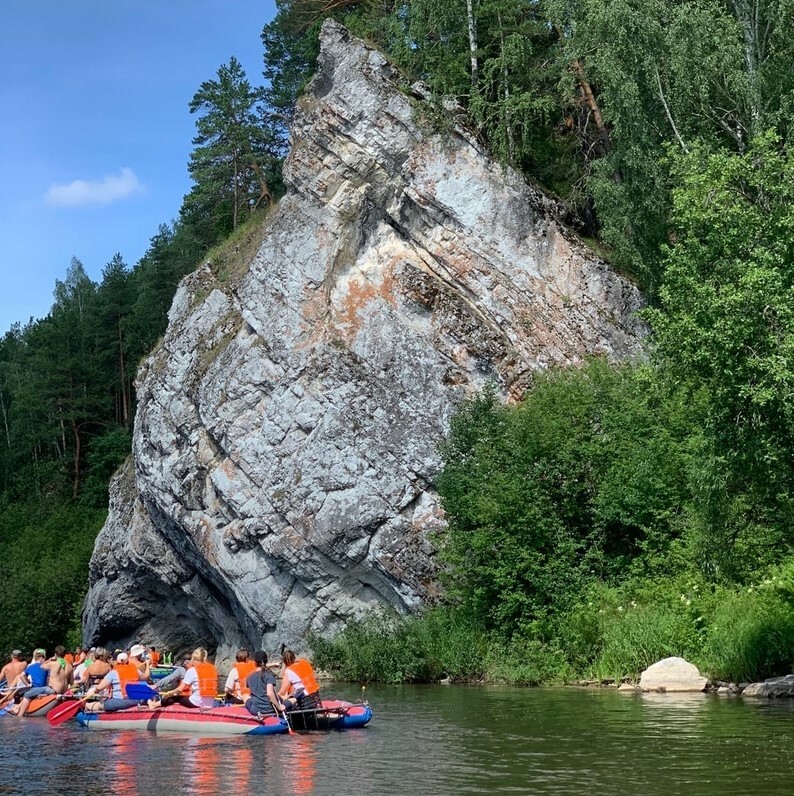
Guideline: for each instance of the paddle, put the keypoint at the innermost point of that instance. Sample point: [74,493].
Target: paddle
[284,716]
[141,691]
[68,710]
[9,695]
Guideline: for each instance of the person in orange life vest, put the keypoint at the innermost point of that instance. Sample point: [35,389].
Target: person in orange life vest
[200,684]
[299,686]
[137,651]
[154,657]
[79,656]
[116,681]
[236,690]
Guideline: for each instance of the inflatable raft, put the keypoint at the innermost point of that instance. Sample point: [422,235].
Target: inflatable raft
[231,720]
[228,719]
[333,715]
[38,707]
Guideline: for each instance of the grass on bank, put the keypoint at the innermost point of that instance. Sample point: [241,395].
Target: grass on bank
[734,634]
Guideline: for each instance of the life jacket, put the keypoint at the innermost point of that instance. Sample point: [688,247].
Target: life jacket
[128,673]
[243,670]
[154,657]
[207,679]
[69,657]
[303,670]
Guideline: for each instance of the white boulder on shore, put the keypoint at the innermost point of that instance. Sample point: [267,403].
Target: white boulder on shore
[672,675]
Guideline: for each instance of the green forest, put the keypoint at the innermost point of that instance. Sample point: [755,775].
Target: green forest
[619,514]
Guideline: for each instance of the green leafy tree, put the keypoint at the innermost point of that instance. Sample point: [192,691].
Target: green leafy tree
[725,330]
[583,481]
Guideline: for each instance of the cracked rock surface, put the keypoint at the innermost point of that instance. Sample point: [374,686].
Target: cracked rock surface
[285,444]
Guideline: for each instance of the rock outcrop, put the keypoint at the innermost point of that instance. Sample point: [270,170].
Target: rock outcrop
[672,675]
[285,444]
[774,687]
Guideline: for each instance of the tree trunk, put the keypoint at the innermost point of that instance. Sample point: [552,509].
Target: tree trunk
[236,194]
[475,68]
[76,481]
[511,144]
[590,100]
[5,418]
[125,408]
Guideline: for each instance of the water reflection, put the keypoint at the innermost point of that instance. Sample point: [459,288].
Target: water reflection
[440,741]
[124,758]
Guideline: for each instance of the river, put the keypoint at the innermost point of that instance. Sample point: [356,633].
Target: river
[437,740]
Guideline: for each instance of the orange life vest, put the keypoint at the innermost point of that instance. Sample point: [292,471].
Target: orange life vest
[128,673]
[154,657]
[207,679]
[303,669]
[69,658]
[243,670]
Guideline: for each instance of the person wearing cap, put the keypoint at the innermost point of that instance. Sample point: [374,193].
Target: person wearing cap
[136,657]
[116,681]
[13,668]
[34,680]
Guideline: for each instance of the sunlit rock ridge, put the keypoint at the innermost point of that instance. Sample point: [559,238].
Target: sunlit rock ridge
[285,444]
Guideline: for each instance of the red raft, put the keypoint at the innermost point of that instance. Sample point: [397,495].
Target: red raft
[227,719]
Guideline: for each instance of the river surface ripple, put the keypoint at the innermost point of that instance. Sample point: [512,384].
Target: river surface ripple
[437,740]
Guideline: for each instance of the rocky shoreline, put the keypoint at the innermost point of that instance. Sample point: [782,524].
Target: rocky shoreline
[676,675]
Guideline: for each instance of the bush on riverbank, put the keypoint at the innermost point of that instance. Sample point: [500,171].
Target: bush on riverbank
[738,634]
[584,534]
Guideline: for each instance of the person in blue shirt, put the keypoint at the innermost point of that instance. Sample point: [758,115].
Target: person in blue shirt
[36,676]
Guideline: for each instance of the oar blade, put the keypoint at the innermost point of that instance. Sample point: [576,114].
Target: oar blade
[141,691]
[68,710]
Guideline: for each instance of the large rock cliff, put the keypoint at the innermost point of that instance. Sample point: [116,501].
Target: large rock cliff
[285,443]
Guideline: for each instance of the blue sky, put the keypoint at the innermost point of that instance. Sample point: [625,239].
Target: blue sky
[96,133]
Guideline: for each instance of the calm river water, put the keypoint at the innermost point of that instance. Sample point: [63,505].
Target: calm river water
[437,740]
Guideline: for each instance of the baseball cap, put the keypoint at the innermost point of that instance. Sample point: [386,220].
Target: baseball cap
[121,657]
[16,653]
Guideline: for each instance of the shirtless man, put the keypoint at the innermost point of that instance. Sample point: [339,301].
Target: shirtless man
[61,671]
[13,668]
[54,676]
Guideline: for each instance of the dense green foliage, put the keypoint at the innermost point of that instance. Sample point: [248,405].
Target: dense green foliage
[43,568]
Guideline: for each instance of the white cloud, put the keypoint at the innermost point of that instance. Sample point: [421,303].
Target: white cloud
[99,192]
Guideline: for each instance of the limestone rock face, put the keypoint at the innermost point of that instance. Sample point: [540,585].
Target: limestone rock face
[285,444]
[672,675]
